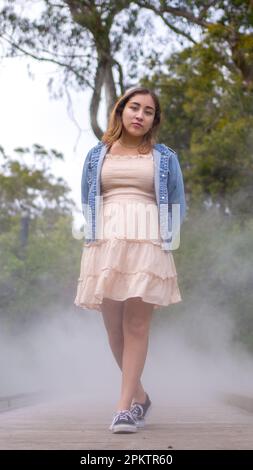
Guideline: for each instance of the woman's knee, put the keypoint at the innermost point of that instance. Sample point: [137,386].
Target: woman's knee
[136,328]
[136,321]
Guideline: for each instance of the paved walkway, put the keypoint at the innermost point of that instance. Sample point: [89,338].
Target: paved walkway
[72,424]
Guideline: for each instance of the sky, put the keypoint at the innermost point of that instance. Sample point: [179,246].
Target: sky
[28,115]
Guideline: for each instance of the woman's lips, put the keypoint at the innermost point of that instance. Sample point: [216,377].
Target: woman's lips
[137,124]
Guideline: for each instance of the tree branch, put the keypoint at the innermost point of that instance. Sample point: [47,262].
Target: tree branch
[175,29]
[173,11]
[95,100]
[121,77]
[72,116]
[45,59]
[206,8]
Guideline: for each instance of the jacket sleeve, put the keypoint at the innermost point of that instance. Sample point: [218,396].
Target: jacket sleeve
[85,184]
[176,193]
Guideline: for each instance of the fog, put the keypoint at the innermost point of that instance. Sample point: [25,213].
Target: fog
[193,354]
[69,355]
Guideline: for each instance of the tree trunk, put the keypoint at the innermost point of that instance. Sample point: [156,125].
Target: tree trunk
[24,230]
[104,77]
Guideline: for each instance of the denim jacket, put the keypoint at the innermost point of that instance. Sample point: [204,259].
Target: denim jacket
[169,192]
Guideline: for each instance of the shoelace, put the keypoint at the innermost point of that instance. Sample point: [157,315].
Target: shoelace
[124,415]
[137,411]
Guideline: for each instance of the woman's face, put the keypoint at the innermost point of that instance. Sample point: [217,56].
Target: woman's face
[138,115]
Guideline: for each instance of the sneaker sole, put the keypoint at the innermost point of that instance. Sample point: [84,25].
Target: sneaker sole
[123,428]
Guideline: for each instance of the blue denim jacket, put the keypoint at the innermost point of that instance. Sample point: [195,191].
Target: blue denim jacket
[169,192]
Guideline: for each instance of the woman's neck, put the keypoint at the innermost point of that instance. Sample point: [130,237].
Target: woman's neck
[129,141]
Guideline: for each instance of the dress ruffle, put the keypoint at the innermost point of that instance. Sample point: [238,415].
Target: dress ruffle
[119,268]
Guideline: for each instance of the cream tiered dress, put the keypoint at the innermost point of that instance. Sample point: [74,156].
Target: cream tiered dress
[127,259]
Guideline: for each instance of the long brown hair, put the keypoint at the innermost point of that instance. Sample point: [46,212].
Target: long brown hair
[114,129]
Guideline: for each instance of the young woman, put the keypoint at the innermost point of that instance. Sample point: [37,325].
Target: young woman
[130,188]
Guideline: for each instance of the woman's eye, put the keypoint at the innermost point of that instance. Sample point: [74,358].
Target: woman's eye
[135,109]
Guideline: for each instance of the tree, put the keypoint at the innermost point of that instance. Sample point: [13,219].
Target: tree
[27,192]
[43,281]
[107,43]
[208,119]
[38,258]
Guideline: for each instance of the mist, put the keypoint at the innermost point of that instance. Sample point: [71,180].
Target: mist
[189,361]
[195,354]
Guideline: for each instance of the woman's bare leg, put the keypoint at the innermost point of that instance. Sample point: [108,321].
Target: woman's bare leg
[137,317]
[112,312]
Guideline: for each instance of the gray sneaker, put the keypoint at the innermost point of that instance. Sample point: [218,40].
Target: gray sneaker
[123,422]
[140,411]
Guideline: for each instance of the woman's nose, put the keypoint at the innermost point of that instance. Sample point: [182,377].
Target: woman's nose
[139,114]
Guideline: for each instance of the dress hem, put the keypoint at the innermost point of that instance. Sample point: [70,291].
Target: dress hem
[88,306]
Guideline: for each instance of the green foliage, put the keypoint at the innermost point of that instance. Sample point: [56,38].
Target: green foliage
[208,120]
[31,187]
[44,279]
[38,265]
